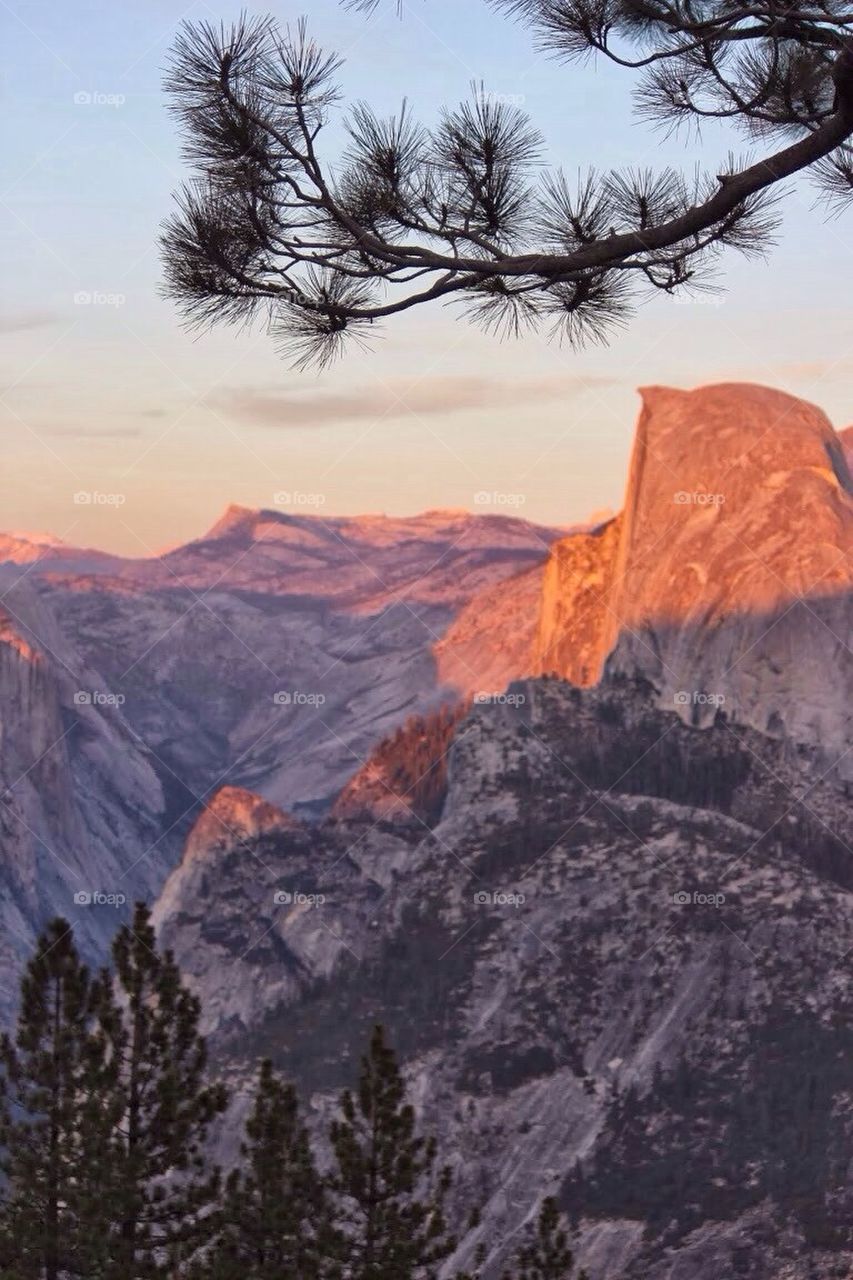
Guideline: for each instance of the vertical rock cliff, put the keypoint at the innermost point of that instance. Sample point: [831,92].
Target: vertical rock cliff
[726,580]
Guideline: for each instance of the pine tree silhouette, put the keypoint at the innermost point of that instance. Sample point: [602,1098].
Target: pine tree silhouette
[274,1219]
[57,1112]
[390,1192]
[547,1255]
[165,1189]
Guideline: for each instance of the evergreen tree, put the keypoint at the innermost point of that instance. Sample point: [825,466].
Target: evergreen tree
[274,1223]
[57,1111]
[547,1255]
[165,1191]
[391,1195]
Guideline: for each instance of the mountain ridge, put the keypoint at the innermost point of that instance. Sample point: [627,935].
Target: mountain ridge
[612,926]
[277,656]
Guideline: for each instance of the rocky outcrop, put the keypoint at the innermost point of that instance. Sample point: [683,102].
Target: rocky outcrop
[727,579]
[615,971]
[231,818]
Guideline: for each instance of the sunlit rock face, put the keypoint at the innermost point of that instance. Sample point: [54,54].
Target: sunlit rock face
[577,622]
[231,817]
[405,779]
[492,640]
[726,580]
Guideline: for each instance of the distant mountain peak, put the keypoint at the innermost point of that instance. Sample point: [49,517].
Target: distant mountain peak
[232,518]
[36,537]
[23,548]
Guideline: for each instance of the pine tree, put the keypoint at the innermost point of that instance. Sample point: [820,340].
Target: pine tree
[166,1192]
[547,1256]
[273,1224]
[389,1191]
[57,1112]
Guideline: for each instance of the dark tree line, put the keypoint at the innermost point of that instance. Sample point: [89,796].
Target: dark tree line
[328,247]
[106,1116]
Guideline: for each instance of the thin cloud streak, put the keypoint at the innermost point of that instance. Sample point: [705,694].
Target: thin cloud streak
[397,398]
[23,321]
[92,433]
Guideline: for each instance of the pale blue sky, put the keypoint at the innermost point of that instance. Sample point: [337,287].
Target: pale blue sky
[118,399]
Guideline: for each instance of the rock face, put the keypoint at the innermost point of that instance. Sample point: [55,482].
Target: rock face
[233,817]
[271,655]
[85,808]
[611,943]
[617,970]
[726,580]
[577,625]
[492,640]
[278,650]
[846,437]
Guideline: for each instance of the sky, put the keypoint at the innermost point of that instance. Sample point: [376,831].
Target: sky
[103,393]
